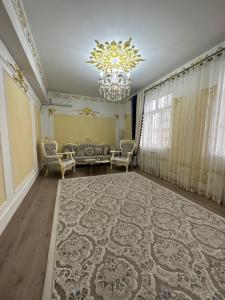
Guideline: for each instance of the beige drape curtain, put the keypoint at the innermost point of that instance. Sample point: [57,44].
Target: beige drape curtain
[183,135]
[139,118]
[139,114]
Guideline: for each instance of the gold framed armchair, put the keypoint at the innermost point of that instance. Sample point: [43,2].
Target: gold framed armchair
[57,161]
[123,157]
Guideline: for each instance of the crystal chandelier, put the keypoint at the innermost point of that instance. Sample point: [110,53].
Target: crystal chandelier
[114,61]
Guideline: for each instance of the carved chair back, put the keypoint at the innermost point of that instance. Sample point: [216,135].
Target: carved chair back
[127,146]
[49,150]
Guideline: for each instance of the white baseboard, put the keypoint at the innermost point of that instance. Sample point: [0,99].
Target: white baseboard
[8,209]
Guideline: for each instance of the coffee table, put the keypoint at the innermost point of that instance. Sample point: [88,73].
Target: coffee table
[92,162]
[102,163]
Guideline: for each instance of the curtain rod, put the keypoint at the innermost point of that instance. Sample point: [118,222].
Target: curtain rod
[173,76]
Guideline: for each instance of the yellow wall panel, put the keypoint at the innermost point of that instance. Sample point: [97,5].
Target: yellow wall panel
[20,131]
[37,118]
[2,182]
[71,128]
[127,127]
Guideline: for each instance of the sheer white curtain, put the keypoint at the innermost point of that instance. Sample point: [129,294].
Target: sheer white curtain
[183,135]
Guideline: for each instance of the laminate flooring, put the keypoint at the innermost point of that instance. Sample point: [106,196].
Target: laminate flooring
[24,243]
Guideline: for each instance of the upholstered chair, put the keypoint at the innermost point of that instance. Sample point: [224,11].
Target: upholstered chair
[123,157]
[57,161]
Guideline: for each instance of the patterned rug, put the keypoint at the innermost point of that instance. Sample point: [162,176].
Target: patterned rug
[121,236]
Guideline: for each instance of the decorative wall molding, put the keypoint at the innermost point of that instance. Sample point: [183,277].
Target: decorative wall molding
[116,116]
[71,97]
[80,111]
[18,77]
[86,111]
[8,209]
[27,32]
[67,98]
[13,197]
[51,111]
[7,60]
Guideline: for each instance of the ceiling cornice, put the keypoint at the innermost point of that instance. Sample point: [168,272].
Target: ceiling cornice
[68,97]
[23,36]
[20,12]
[190,63]
[71,97]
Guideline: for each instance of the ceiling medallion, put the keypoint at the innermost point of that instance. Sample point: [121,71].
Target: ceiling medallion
[115,60]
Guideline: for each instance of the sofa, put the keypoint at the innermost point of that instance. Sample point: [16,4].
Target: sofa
[88,150]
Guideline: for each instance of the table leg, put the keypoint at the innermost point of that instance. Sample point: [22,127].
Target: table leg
[90,170]
[93,169]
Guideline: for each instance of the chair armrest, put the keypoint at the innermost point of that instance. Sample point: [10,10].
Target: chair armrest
[65,153]
[114,152]
[69,154]
[58,157]
[51,156]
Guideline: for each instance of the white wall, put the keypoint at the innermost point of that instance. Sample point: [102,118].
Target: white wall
[127,107]
[74,106]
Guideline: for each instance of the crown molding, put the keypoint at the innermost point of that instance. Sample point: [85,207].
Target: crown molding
[71,97]
[183,67]
[19,21]
[7,62]
[27,32]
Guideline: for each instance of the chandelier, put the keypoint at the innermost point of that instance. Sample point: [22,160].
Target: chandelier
[115,60]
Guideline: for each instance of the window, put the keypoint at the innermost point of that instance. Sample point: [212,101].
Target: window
[215,121]
[220,147]
[158,121]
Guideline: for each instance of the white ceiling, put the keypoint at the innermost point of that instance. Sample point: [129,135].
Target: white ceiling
[11,40]
[168,33]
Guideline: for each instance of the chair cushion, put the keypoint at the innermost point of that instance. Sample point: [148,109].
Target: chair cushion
[79,151]
[68,163]
[98,151]
[106,150]
[65,163]
[89,151]
[53,162]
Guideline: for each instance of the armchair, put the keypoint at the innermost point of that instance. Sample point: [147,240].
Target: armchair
[124,157]
[57,161]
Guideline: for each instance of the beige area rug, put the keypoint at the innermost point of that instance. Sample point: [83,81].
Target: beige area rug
[121,236]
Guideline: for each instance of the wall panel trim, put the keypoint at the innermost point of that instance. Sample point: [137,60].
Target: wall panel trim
[8,209]
[13,197]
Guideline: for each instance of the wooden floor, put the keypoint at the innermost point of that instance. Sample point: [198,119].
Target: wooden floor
[24,244]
